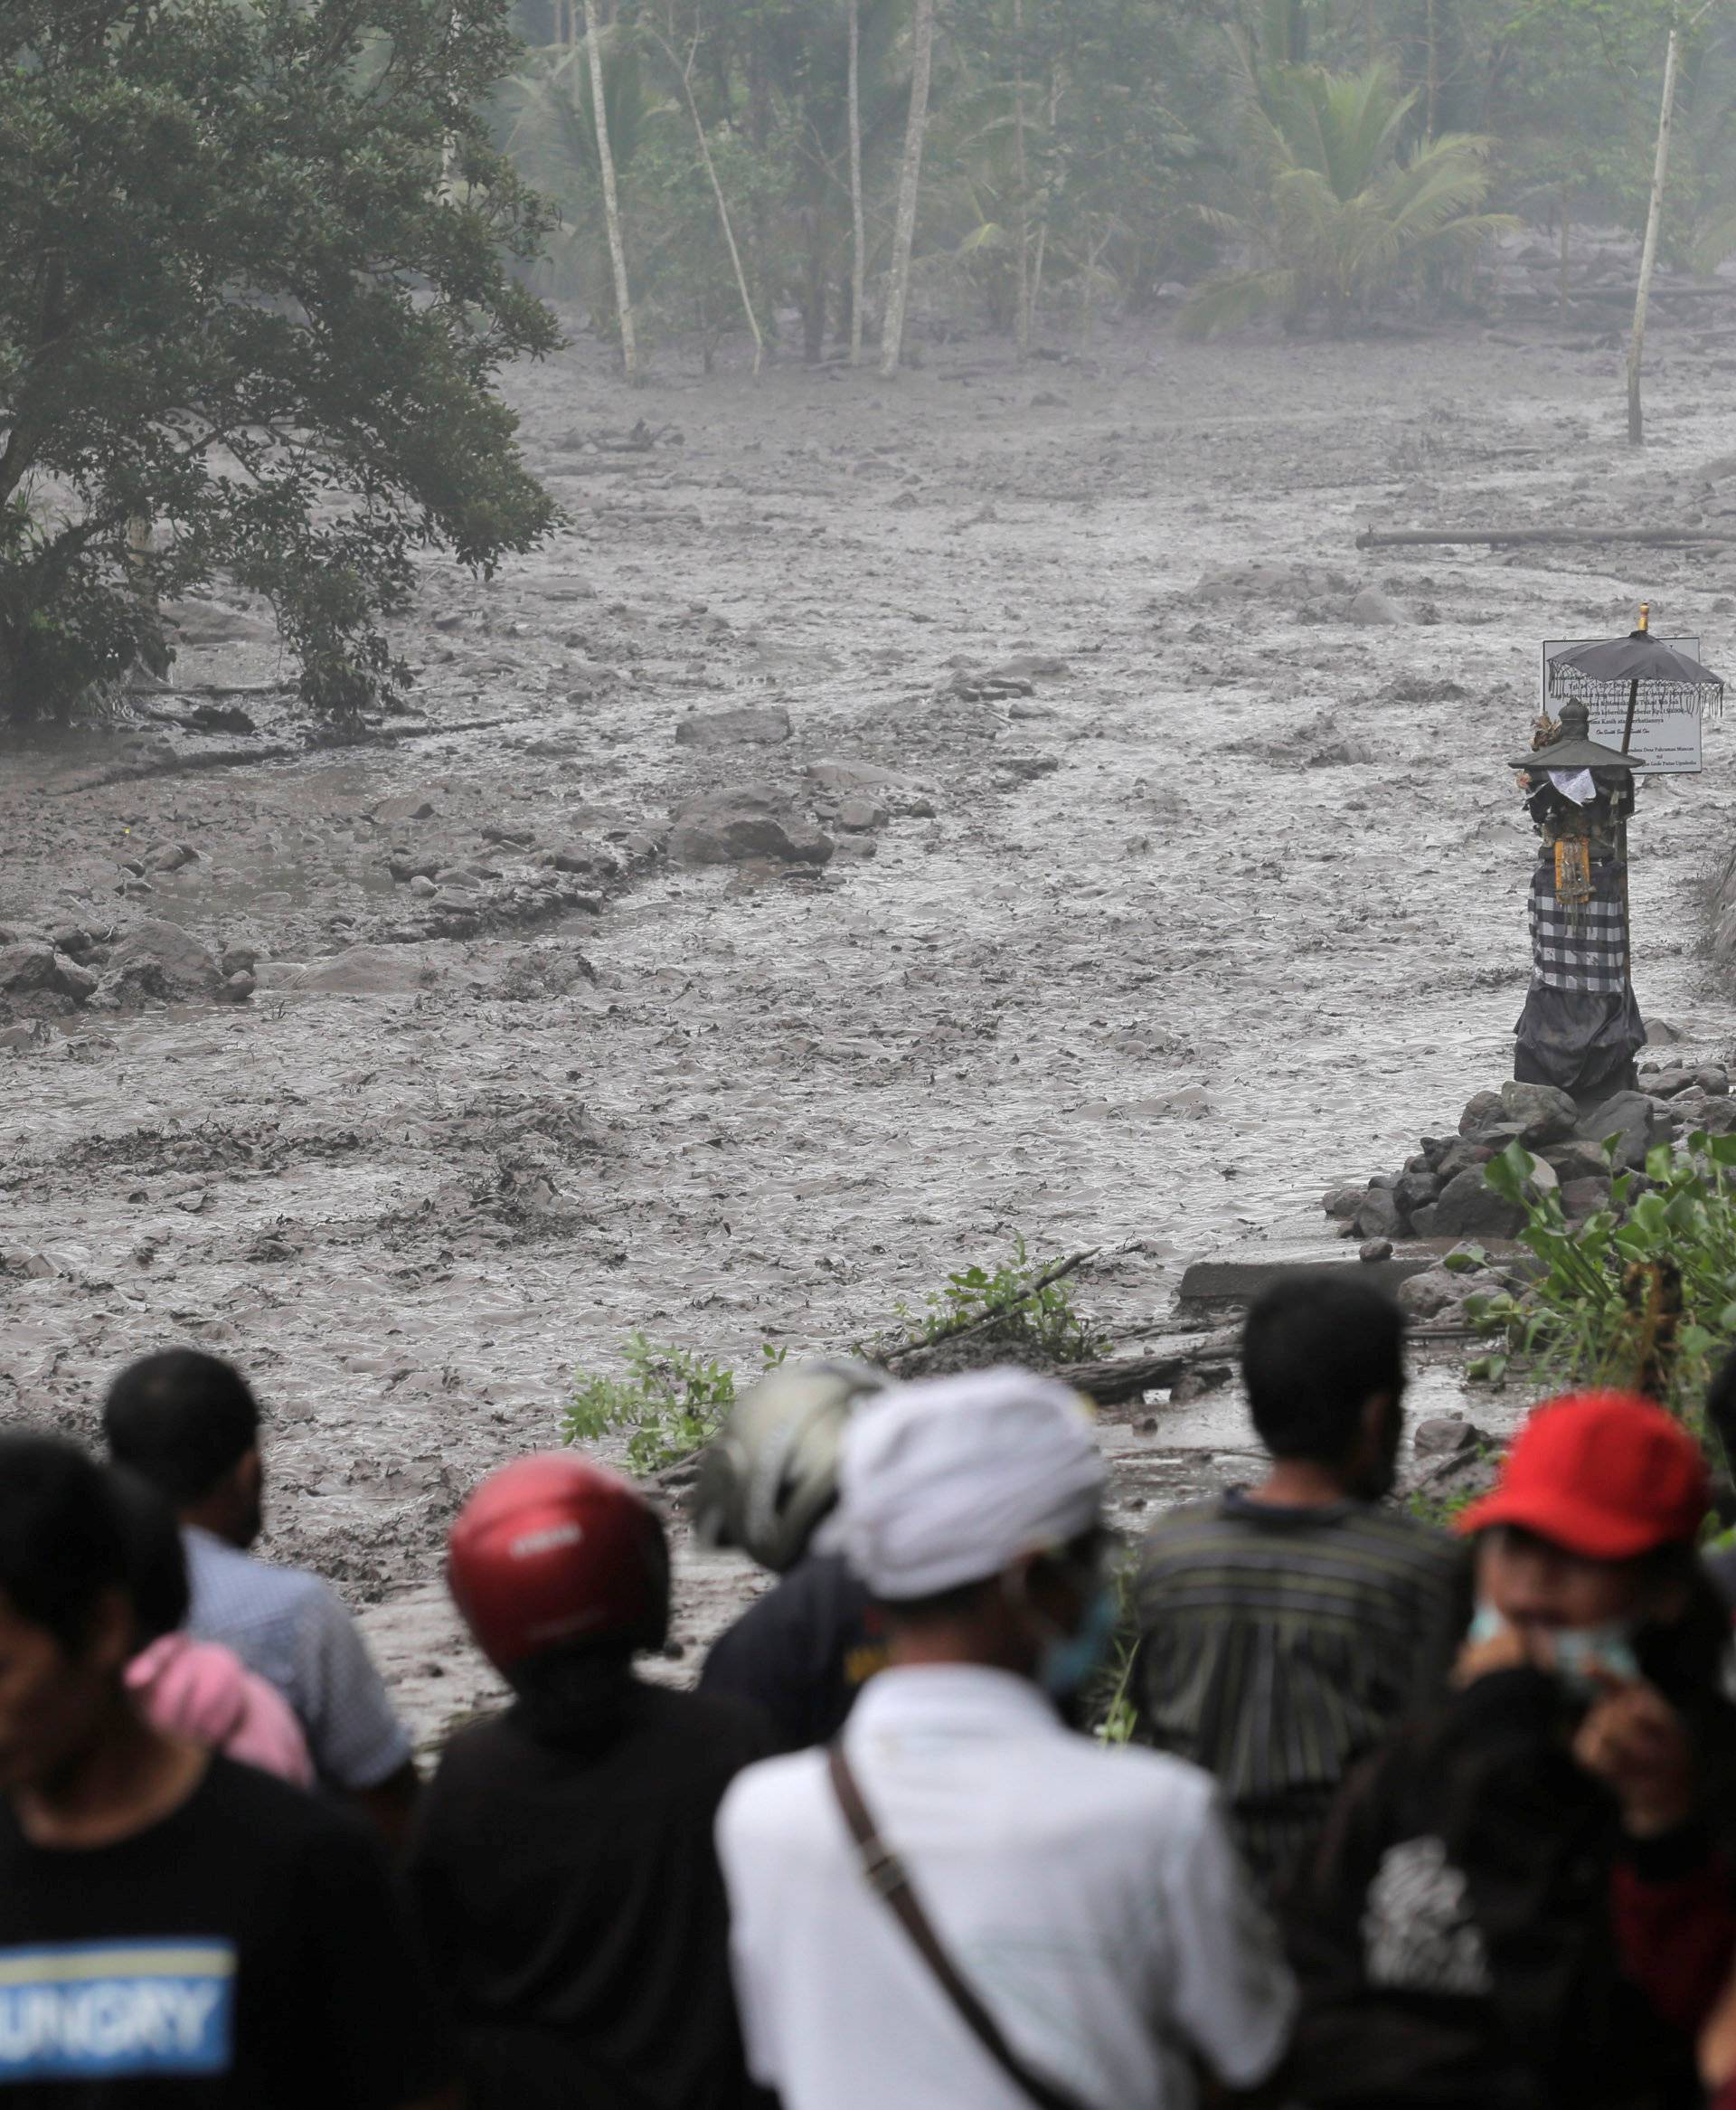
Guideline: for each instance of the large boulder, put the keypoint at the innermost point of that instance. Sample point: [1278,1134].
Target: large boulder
[1469,1206]
[1465,1155]
[1378,1214]
[1631,1118]
[724,828]
[1544,1115]
[158,962]
[1434,1290]
[1481,1110]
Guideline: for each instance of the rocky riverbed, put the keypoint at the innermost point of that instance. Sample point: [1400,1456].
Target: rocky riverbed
[885,819]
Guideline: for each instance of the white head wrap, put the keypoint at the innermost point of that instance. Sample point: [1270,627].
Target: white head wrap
[949,1480]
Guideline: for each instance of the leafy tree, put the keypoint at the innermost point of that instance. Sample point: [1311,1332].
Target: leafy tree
[1341,214]
[254,287]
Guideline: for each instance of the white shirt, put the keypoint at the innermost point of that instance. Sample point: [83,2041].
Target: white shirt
[1090,1897]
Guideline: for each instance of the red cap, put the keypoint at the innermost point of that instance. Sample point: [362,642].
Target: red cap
[553,1550]
[1605,1474]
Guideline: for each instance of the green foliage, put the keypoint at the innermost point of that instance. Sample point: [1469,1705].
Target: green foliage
[1602,1309]
[670,1402]
[1342,215]
[1440,1511]
[254,287]
[1026,1315]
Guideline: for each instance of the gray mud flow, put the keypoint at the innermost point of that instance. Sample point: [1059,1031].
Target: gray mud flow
[1215,897]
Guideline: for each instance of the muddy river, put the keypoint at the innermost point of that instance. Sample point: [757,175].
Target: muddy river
[1176,877]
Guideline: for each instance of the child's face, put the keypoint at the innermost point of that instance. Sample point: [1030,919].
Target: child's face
[1534,1584]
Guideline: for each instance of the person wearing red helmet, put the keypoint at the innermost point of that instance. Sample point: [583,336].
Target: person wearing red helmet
[1525,1898]
[562,1859]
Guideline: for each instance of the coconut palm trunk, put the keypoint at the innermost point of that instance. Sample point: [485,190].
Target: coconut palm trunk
[858,218]
[909,184]
[611,201]
[687,72]
[1021,167]
[1648,253]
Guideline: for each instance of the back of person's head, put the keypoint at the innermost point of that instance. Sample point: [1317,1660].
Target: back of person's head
[181,1420]
[555,1556]
[949,1482]
[1317,1348]
[62,1544]
[156,1561]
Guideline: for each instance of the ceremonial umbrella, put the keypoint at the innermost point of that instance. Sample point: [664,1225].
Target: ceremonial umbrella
[1637,663]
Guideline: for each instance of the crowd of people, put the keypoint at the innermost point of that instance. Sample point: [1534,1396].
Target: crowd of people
[1411,1817]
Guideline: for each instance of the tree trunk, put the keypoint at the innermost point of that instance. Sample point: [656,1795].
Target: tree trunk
[1370,31]
[1431,33]
[687,72]
[858,220]
[1648,254]
[1023,230]
[909,184]
[1565,226]
[611,201]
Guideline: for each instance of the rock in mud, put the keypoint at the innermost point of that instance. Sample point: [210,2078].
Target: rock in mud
[859,816]
[169,856]
[1544,1115]
[33,969]
[1468,1204]
[1435,1291]
[1342,1202]
[1373,606]
[845,780]
[158,962]
[725,828]
[1442,1436]
[407,806]
[766,727]
[1576,1160]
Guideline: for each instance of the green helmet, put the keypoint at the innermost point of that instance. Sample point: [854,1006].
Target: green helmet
[772,1474]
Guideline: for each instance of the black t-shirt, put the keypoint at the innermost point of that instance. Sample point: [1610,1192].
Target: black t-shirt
[246,1952]
[574,1909]
[801,1654]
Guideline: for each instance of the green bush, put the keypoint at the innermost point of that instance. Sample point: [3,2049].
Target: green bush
[1642,1294]
[1021,1312]
[670,1402]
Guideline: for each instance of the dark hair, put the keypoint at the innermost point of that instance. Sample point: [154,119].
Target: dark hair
[157,1565]
[1315,1350]
[181,1420]
[61,1545]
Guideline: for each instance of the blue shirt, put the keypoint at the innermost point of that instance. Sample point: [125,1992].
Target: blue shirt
[291,1628]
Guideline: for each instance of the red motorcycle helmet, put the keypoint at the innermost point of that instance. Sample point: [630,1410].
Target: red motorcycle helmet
[555,1552]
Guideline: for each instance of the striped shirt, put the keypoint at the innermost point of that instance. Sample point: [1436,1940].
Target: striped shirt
[1278,1646]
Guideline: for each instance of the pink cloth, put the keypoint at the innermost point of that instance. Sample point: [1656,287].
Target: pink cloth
[205,1692]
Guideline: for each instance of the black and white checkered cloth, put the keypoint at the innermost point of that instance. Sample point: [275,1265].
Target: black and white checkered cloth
[1578,947]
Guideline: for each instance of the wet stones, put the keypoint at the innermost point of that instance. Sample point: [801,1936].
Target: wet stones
[834,782]
[1632,1120]
[1540,1113]
[158,962]
[750,820]
[764,726]
[1470,1205]
[31,968]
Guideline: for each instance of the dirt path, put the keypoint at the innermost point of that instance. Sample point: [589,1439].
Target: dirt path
[1229,908]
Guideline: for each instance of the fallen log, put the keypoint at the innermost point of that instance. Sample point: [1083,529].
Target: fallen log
[1663,538]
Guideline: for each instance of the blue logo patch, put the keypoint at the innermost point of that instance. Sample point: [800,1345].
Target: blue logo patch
[108,2010]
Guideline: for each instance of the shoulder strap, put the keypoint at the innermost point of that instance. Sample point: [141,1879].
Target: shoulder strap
[887,1877]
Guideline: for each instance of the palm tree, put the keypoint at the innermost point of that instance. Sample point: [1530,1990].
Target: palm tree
[1341,214]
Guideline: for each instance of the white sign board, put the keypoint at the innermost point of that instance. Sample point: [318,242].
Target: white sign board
[1666,729]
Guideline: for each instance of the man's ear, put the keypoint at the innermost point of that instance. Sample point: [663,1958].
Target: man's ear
[1376,1421]
[249,1474]
[114,1634]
